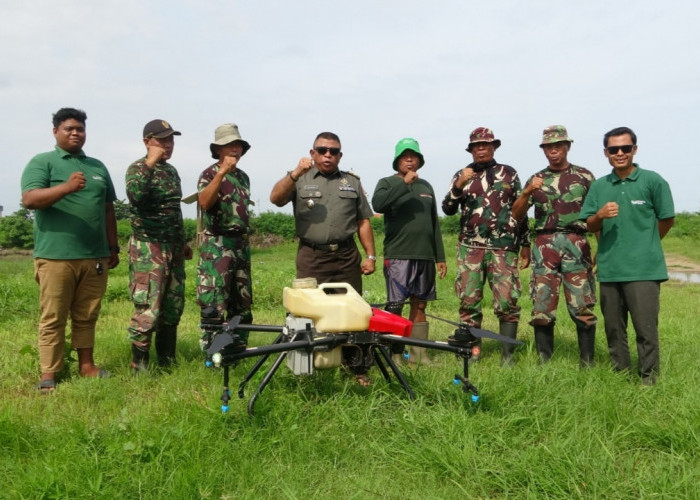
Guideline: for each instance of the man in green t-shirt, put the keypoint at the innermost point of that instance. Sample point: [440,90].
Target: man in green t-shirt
[75,243]
[633,210]
[413,245]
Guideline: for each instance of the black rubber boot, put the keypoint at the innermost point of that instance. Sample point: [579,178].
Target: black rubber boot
[139,359]
[586,344]
[544,341]
[166,338]
[509,330]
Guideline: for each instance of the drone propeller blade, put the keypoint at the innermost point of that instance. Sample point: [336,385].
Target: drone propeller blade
[220,341]
[478,332]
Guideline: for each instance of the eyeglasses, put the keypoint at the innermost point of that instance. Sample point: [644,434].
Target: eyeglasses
[323,150]
[627,149]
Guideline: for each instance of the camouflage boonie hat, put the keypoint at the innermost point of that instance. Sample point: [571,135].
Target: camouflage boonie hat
[554,134]
[482,134]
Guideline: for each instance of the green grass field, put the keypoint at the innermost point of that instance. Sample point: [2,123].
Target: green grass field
[539,431]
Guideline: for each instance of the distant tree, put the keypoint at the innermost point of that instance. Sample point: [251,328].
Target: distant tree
[17,230]
[121,210]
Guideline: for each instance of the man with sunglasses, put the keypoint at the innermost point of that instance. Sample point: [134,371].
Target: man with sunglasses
[633,210]
[157,248]
[561,253]
[330,206]
[75,243]
[489,238]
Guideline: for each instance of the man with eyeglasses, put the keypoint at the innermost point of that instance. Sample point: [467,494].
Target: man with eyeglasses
[633,210]
[489,238]
[157,248]
[561,254]
[330,206]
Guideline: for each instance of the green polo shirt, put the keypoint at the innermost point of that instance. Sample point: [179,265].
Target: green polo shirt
[74,227]
[629,248]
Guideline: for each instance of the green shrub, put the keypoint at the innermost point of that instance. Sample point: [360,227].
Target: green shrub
[274,223]
[17,230]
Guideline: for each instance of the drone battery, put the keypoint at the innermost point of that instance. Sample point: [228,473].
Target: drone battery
[386,322]
[300,362]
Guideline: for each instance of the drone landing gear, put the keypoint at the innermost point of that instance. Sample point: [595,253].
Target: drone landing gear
[384,353]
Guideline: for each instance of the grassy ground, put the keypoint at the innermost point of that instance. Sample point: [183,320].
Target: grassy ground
[539,431]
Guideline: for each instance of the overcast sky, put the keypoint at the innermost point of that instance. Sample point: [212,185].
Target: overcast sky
[373,71]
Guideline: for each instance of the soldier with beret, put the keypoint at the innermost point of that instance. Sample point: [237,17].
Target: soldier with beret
[561,254]
[330,207]
[413,245]
[490,238]
[224,287]
[157,248]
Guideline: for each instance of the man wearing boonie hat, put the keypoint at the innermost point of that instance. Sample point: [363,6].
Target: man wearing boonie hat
[412,239]
[224,288]
[489,239]
[561,254]
[157,248]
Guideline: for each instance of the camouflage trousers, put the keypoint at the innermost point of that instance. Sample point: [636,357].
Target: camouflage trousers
[223,277]
[476,266]
[562,259]
[157,287]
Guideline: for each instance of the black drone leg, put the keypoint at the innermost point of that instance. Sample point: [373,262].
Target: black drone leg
[395,369]
[226,396]
[256,367]
[467,386]
[265,381]
[380,365]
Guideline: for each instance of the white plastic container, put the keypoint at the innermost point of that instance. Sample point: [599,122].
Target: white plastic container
[345,311]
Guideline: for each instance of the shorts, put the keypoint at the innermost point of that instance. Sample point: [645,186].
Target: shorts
[409,278]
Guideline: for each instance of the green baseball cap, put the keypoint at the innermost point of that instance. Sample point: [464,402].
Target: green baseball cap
[404,145]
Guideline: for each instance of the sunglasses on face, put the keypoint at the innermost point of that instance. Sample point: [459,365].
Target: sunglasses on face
[323,150]
[612,150]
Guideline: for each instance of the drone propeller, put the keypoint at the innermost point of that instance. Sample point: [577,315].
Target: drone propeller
[478,332]
[224,338]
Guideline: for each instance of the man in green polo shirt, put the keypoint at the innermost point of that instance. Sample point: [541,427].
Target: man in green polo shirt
[633,210]
[75,243]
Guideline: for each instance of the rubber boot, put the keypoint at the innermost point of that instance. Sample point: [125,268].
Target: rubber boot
[544,341]
[419,355]
[586,344]
[166,338]
[139,359]
[509,330]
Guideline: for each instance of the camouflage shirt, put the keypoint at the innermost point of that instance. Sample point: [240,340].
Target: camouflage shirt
[559,200]
[485,203]
[154,195]
[230,213]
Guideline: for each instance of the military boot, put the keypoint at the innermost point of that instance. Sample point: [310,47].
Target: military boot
[166,338]
[544,341]
[586,344]
[509,330]
[419,355]
[139,359]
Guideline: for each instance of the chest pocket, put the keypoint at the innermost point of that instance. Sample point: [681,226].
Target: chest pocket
[348,195]
[310,194]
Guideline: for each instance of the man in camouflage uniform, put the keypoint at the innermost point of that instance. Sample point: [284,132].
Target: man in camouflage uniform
[330,206]
[224,288]
[157,248]
[561,254]
[489,238]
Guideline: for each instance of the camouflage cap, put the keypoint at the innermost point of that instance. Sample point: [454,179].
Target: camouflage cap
[482,134]
[226,134]
[160,129]
[407,144]
[554,134]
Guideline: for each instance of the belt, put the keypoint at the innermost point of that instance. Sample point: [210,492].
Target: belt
[328,247]
[230,234]
[565,231]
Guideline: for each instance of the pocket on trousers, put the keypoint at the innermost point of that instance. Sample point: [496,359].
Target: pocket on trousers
[139,288]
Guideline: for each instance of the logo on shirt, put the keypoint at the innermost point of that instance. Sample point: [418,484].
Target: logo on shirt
[345,185]
[638,202]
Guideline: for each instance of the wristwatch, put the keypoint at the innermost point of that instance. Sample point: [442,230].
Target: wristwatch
[372,257]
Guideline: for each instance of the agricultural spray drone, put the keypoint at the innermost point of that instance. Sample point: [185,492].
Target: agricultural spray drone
[330,326]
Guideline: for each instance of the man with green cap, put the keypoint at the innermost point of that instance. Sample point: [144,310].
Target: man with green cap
[413,245]
[157,248]
[561,254]
[224,287]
